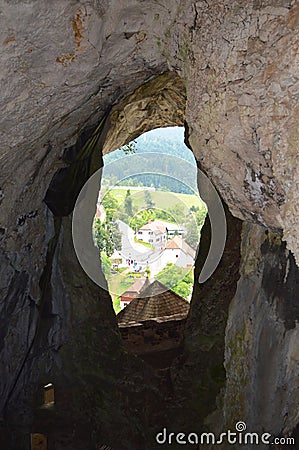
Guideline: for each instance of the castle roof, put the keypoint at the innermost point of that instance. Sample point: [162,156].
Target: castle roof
[157,302]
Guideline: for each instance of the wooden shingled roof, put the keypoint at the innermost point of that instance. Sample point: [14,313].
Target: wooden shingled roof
[157,302]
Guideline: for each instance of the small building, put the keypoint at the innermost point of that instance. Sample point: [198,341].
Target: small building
[154,232]
[174,230]
[117,260]
[178,252]
[100,212]
[133,291]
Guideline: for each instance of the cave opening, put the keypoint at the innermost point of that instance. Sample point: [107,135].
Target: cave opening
[147,227]
[103,75]
[160,215]
[195,343]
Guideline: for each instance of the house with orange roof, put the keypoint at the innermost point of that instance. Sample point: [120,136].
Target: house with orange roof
[133,291]
[178,252]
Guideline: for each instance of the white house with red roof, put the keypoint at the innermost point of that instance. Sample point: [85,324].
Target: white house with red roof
[133,291]
[178,252]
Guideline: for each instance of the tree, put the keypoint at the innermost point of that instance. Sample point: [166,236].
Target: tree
[115,235]
[178,212]
[164,215]
[107,236]
[171,275]
[147,271]
[116,305]
[177,279]
[183,289]
[102,238]
[192,234]
[128,203]
[201,217]
[124,217]
[129,148]
[110,205]
[106,263]
[142,218]
[148,199]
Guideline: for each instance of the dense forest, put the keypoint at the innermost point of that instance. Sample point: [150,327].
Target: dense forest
[161,172]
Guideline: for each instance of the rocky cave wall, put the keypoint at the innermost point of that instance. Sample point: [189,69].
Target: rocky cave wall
[241,63]
[68,70]
[261,358]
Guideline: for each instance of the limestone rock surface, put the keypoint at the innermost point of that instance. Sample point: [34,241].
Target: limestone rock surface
[69,69]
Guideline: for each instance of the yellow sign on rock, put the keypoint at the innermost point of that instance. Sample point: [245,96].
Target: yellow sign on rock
[38,441]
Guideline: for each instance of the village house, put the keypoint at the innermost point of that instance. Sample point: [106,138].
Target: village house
[174,230]
[154,232]
[178,252]
[117,260]
[100,212]
[133,291]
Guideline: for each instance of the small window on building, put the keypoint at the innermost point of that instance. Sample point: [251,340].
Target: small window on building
[49,398]
[38,441]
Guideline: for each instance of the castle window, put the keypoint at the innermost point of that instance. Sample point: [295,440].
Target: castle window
[49,398]
[38,441]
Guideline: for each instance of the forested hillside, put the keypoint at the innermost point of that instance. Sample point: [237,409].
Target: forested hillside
[165,142]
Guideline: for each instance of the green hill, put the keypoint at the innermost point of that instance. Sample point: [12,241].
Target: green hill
[165,142]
